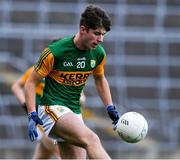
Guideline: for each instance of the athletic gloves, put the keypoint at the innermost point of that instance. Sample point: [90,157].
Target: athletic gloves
[113,114]
[33,121]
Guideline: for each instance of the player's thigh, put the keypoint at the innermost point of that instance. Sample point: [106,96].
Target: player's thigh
[69,151]
[73,130]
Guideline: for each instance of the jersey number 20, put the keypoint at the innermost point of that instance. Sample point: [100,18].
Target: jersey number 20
[81,64]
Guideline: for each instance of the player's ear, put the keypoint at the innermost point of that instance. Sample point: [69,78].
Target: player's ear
[83,29]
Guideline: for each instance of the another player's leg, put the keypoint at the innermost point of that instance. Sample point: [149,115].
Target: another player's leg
[41,152]
[75,132]
[69,151]
[46,149]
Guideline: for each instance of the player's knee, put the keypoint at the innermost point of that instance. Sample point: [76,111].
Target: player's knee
[91,139]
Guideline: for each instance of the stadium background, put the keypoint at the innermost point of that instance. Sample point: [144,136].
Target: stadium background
[143,69]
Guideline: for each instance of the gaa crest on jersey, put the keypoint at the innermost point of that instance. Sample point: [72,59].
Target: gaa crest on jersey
[67,64]
[93,63]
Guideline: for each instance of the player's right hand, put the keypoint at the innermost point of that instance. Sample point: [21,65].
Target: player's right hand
[33,121]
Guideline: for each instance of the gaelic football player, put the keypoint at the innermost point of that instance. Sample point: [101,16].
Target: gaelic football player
[66,66]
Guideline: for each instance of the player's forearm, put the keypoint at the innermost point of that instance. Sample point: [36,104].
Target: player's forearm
[30,96]
[18,91]
[103,90]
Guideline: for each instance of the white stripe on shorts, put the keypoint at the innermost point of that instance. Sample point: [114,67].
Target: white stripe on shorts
[50,114]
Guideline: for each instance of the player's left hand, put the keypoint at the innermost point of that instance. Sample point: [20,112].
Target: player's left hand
[113,114]
[33,121]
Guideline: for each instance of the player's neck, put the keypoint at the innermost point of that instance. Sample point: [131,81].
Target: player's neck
[78,42]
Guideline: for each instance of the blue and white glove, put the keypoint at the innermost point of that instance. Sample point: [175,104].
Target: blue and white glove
[33,121]
[113,114]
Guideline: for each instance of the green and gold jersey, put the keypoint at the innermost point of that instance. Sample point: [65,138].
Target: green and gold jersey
[67,69]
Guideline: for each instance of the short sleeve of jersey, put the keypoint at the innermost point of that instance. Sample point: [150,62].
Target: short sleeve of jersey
[26,75]
[45,63]
[99,70]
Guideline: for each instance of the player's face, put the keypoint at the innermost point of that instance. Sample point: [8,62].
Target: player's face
[91,38]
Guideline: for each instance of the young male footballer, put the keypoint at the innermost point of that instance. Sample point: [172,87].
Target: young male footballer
[66,66]
[45,147]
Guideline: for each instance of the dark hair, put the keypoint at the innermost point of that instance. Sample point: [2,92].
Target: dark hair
[94,17]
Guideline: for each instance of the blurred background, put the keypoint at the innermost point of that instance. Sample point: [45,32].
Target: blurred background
[143,69]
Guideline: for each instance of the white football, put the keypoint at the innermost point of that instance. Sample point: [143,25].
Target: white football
[132,127]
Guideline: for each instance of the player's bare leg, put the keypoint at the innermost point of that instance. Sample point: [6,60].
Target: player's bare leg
[69,151]
[46,149]
[74,131]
